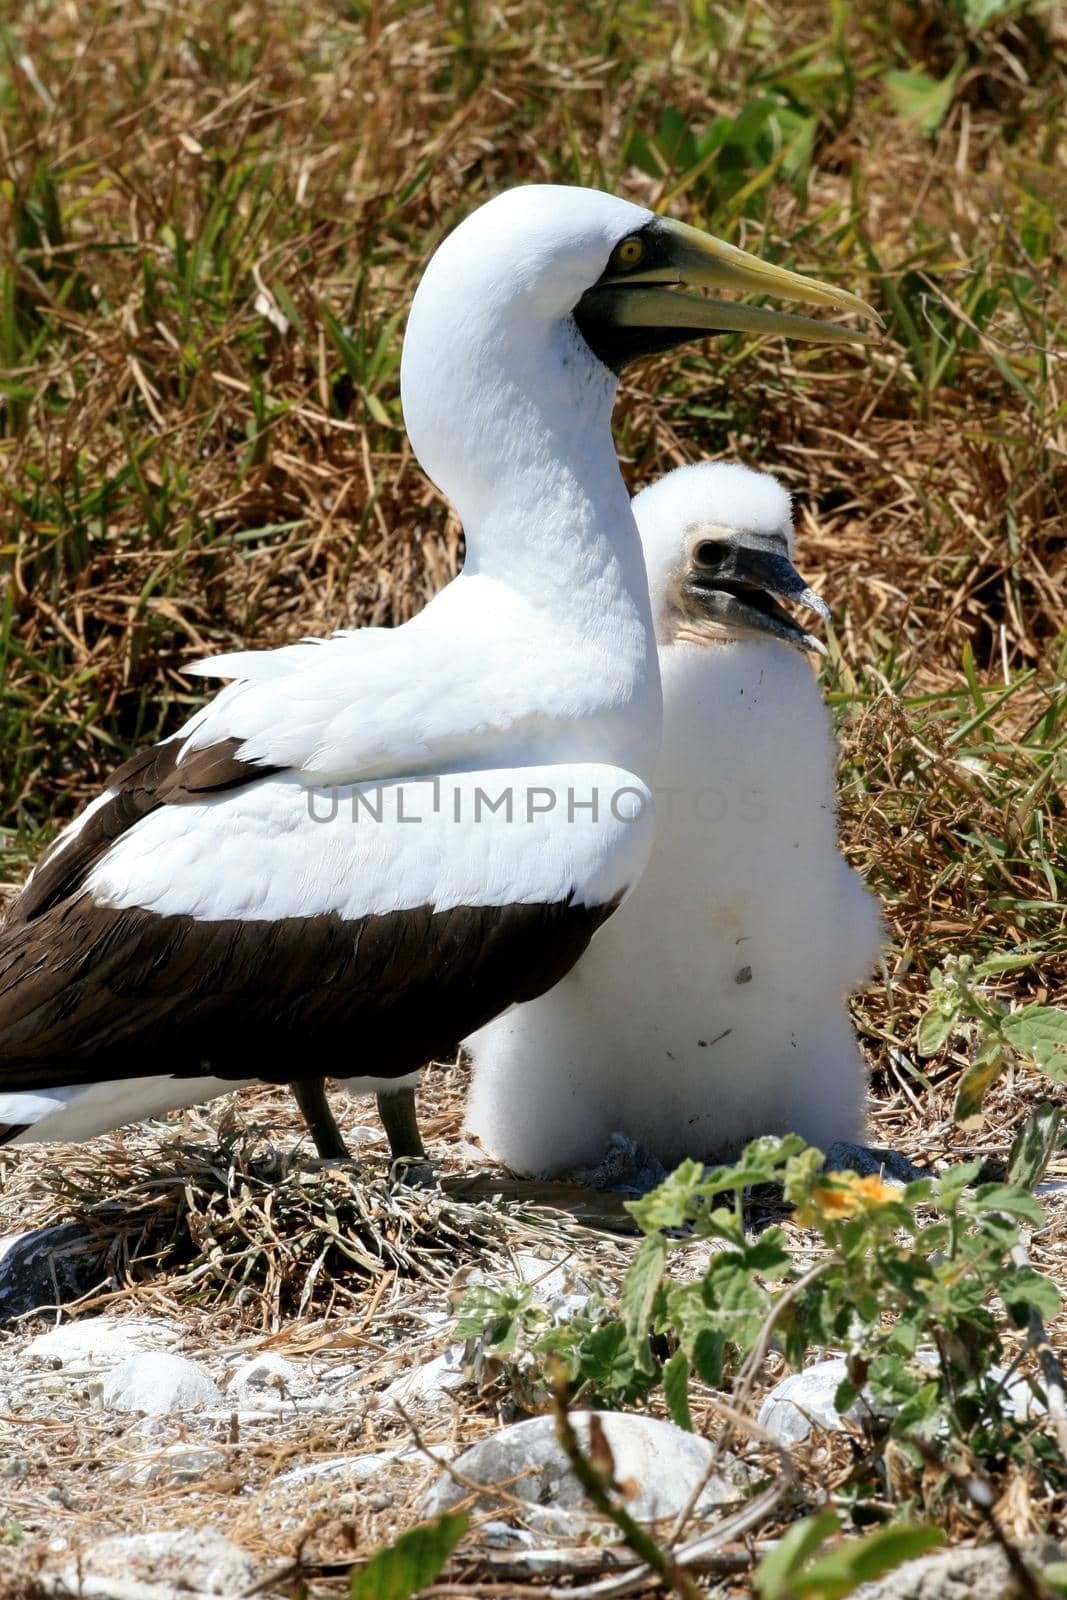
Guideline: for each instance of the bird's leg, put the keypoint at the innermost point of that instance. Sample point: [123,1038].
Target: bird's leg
[310,1096]
[396,1107]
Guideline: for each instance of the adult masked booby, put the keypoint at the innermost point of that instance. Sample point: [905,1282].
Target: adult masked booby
[366,846]
[712,1008]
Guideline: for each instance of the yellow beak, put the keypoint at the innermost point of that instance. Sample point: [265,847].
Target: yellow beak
[632,313]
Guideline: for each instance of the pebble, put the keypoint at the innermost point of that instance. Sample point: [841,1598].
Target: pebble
[178,1463]
[266,1377]
[664,1461]
[428,1387]
[179,1559]
[158,1384]
[806,1399]
[981,1574]
[98,1341]
[350,1469]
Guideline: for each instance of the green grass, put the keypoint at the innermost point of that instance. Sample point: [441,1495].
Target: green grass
[214,221]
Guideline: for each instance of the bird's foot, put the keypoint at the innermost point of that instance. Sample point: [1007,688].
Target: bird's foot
[307,1163]
[625,1164]
[414,1172]
[871,1161]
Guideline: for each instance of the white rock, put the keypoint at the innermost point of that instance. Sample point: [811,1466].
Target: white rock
[267,1377]
[429,1386]
[666,1463]
[99,1341]
[806,1399]
[173,1563]
[552,1279]
[178,1463]
[960,1574]
[351,1469]
[158,1384]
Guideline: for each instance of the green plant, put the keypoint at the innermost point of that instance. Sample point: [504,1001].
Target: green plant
[1036,1034]
[799,1567]
[415,1559]
[920,1288]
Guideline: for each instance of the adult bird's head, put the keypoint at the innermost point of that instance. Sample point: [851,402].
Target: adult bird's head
[536,299]
[718,545]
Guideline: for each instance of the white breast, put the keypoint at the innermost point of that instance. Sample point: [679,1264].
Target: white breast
[712,1007]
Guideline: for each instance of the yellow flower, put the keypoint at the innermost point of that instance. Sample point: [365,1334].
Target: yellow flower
[875,1192]
[848,1195]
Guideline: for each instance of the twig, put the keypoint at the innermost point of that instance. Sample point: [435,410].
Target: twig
[70,1585]
[469,1485]
[596,1474]
[736,1419]
[1038,1341]
[758,1354]
[979,1492]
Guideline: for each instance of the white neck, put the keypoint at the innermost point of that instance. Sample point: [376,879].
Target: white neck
[519,439]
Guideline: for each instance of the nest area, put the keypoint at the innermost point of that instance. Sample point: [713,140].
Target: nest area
[219,1225]
[229,1212]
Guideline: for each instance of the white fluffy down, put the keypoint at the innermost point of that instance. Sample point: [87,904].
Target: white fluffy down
[711,1008]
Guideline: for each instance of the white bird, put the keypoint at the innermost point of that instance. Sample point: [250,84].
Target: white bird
[712,1008]
[253,898]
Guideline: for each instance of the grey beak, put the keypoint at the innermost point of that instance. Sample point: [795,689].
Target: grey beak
[739,584]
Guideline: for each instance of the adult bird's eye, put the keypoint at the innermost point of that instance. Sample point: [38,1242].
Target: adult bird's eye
[629,252]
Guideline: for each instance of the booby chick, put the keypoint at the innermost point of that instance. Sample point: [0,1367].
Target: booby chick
[712,1008]
[365,847]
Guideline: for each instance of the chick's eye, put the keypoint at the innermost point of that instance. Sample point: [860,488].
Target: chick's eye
[707,553]
[629,252]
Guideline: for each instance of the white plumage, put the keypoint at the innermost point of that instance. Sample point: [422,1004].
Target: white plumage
[364,847]
[535,668]
[712,1008]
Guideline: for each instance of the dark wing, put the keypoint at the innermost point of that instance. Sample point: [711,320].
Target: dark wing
[152,778]
[91,992]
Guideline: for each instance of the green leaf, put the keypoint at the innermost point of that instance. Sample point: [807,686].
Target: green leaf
[669,1205]
[1042,1032]
[975,1084]
[857,1561]
[1012,1201]
[922,99]
[769,1254]
[950,1186]
[708,1348]
[773,1577]
[979,13]
[676,1390]
[999,964]
[935,1029]
[1026,1288]
[1033,1145]
[416,1559]
[639,1288]
[845,1395]
[1054,1577]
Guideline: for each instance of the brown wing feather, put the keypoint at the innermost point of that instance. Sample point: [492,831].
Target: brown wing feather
[152,778]
[90,992]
